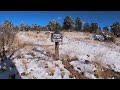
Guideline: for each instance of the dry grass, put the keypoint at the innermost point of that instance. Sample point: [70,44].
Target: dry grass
[71,57]
[71,69]
[31,38]
[118,41]
[20,43]
[41,35]
[62,74]
[72,34]
[24,64]
[113,39]
[51,71]
[102,71]
[98,59]
[87,33]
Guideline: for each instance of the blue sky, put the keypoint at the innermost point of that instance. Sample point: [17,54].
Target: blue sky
[104,18]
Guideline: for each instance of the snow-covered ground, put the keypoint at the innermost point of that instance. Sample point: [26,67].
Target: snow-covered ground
[36,63]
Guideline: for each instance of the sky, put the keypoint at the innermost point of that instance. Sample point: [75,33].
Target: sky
[104,18]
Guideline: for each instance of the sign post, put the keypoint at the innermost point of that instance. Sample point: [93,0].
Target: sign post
[56,37]
[57,50]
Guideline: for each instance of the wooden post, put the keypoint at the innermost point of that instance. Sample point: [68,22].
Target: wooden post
[57,50]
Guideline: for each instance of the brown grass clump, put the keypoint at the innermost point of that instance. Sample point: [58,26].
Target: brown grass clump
[118,41]
[71,69]
[62,74]
[86,33]
[70,58]
[51,71]
[24,64]
[102,71]
[113,39]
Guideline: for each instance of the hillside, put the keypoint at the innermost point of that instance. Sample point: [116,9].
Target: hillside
[80,57]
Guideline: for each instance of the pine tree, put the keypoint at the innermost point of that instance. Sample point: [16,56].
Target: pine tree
[54,25]
[115,28]
[78,24]
[94,27]
[86,27]
[68,23]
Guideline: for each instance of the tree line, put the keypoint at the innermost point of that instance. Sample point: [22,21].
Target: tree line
[68,25]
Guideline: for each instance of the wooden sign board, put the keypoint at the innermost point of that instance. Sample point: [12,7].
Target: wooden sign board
[56,37]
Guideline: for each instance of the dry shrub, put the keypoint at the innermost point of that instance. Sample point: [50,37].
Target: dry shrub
[118,41]
[51,71]
[87,38]
[113,39]
[8,42]
[70,57]
[101,70]
[71,76]
[24,64]
[86,33]
[62,74]
[118,44]
[74,58]
[97,61]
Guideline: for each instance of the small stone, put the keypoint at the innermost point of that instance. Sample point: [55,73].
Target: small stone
[46,66]
[23,74]
[82,73]
[79,68]
[88,55]
[87,62]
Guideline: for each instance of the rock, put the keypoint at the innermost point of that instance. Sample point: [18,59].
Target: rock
[82,73]
[23,74]
[46,66]
[88,55]
[79,68]
[87,62]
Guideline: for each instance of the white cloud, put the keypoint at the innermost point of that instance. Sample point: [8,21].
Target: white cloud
[58,18]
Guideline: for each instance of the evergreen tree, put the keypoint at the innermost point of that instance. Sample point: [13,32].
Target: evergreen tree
[78,24]
[94,27]
[68,23]
[86,27]
[115,28]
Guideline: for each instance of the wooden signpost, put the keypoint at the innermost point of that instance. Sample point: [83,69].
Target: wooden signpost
[56,37]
